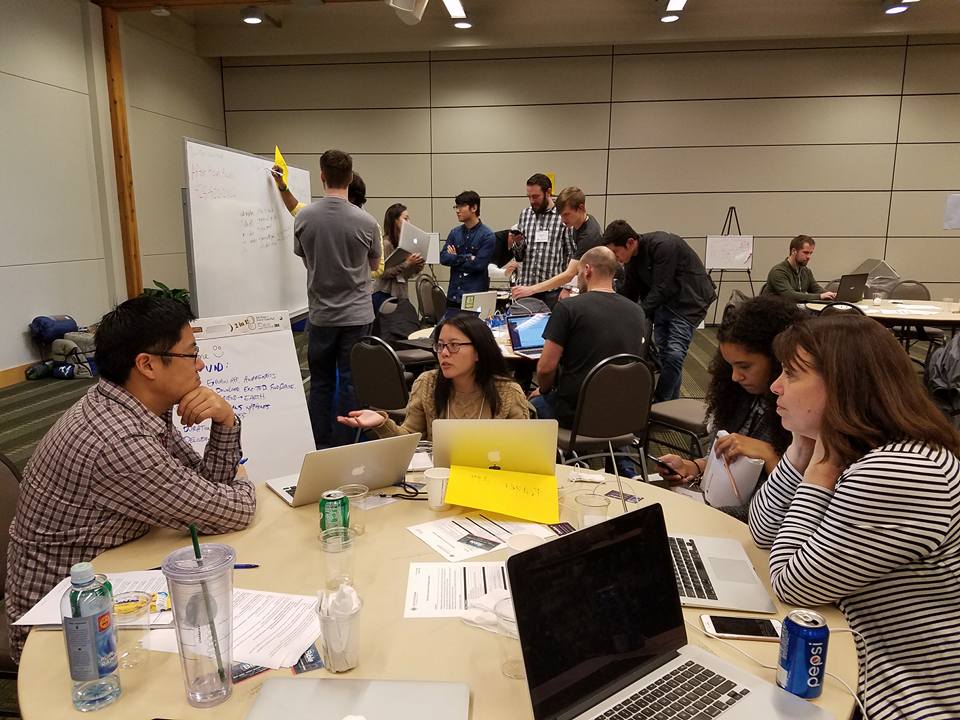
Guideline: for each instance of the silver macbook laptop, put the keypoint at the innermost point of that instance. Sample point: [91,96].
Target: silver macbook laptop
[526,333]
[376,464]
[328,699]
[528,446]
[482,303]
[602,634]
[716,573]
[412,240]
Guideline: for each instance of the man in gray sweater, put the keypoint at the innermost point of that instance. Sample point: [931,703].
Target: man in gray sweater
[793,279]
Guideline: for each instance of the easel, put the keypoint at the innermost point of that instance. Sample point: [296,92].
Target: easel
[728,224]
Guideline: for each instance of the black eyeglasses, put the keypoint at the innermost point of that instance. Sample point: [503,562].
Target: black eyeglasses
[453,347]
[193,356]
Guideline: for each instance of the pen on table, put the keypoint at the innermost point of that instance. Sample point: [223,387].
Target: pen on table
[242,461]
[236,566]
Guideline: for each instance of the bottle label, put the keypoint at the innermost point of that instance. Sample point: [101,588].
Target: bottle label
[91,646]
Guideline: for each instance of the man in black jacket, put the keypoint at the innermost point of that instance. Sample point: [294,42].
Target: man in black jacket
[667,277]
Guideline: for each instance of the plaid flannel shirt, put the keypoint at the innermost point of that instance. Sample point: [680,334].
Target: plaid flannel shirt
[102,476]
[541,261]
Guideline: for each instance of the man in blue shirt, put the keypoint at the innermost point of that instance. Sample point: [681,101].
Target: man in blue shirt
[468,250]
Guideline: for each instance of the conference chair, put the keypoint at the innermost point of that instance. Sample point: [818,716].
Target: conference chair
[428,314]
[908,334]
[438,298]
[613,408]
[379,380]
[839,307]
[527,306]
[9,491]
[684,416]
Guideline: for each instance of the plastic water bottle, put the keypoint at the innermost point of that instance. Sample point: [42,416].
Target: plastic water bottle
[91,639]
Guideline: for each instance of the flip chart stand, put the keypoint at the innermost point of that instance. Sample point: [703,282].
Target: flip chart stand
[728,224]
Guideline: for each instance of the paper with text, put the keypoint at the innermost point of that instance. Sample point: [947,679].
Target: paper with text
[445,589]
[455,538]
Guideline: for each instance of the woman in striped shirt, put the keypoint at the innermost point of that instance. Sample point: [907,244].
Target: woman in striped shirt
[863,510]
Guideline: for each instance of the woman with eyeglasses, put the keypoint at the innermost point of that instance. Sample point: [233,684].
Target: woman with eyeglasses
[472,383]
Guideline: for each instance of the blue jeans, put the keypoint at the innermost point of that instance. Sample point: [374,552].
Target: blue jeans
[672,335]
[328,355]
[547,411]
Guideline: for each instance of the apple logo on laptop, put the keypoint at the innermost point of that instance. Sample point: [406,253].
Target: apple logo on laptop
[493,457]
[357,471]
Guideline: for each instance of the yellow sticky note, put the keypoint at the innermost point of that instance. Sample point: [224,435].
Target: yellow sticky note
[553,183]
[278,160]
[521,495]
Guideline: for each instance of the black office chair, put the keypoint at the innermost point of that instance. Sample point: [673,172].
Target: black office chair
[908,334]
[613,409]
[379,380]
[528,306]
[428,315]
[438,300]
[840,307]
[683,416]
[9,492]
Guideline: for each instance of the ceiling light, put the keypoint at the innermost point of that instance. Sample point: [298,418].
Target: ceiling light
[669,18]
[674,6]
[253,15]
[455,8]
[160,11]
[462,25]
[894,7]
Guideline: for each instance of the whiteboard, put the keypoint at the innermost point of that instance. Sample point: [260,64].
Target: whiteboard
[239,234]
[251,361]
[729,252]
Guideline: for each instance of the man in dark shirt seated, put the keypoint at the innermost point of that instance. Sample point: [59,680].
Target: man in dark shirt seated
[793,279]
[583,330]
[114,466]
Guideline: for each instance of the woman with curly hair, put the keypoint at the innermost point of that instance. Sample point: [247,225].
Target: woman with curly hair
[739,399]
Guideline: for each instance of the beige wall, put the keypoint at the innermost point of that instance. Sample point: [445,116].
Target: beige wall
[58,241]
[171,94]
[858,146]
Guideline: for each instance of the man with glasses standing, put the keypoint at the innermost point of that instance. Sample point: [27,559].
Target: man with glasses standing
[114,465]
[468,250]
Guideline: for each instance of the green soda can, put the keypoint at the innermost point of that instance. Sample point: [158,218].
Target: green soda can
[334,510]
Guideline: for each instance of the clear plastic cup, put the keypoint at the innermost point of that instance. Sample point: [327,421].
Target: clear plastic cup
[131,613]
[202,597]
[357,497]
[339,556]
[591,509]
[511,657]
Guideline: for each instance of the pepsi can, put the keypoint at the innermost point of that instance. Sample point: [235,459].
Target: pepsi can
[803,653]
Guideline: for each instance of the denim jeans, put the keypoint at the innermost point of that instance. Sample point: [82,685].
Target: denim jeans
[328,355]
[672,335]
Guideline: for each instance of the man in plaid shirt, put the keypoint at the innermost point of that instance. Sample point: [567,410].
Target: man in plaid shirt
[546,245]
[114,466]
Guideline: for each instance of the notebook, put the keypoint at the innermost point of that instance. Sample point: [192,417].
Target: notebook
[602,633]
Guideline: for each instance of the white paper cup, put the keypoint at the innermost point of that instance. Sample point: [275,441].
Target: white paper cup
[436,480]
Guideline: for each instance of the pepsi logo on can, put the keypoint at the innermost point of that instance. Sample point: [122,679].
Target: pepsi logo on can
[803,653]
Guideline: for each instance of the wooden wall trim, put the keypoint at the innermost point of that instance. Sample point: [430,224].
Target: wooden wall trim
[121,152]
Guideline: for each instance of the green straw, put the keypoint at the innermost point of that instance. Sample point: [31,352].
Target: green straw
[208,603]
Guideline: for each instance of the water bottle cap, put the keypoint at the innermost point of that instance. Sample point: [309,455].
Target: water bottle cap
[81,573]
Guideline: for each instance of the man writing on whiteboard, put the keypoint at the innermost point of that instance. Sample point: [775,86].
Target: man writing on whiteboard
[340,246]
[113,465]
[667,277]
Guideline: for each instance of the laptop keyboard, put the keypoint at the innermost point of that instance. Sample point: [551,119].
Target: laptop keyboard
[691,692]
[692,578]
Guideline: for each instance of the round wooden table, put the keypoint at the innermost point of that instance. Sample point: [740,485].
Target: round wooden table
[283,541]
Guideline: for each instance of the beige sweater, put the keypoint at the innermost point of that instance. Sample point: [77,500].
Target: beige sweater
[421,411]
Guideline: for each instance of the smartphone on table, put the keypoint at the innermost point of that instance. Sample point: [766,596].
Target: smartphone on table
[741,628]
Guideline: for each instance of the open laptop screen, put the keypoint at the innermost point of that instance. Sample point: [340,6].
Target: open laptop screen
[526,331]
[596,610]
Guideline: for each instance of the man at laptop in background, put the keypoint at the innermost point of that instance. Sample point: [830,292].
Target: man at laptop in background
[793,279]
[583,330]
[585,232]
[468,250]
[114,466]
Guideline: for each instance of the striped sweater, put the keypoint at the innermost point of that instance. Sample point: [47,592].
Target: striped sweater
[885,547]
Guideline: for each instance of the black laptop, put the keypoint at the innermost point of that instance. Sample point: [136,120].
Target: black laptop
[851,287]
[602,633]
